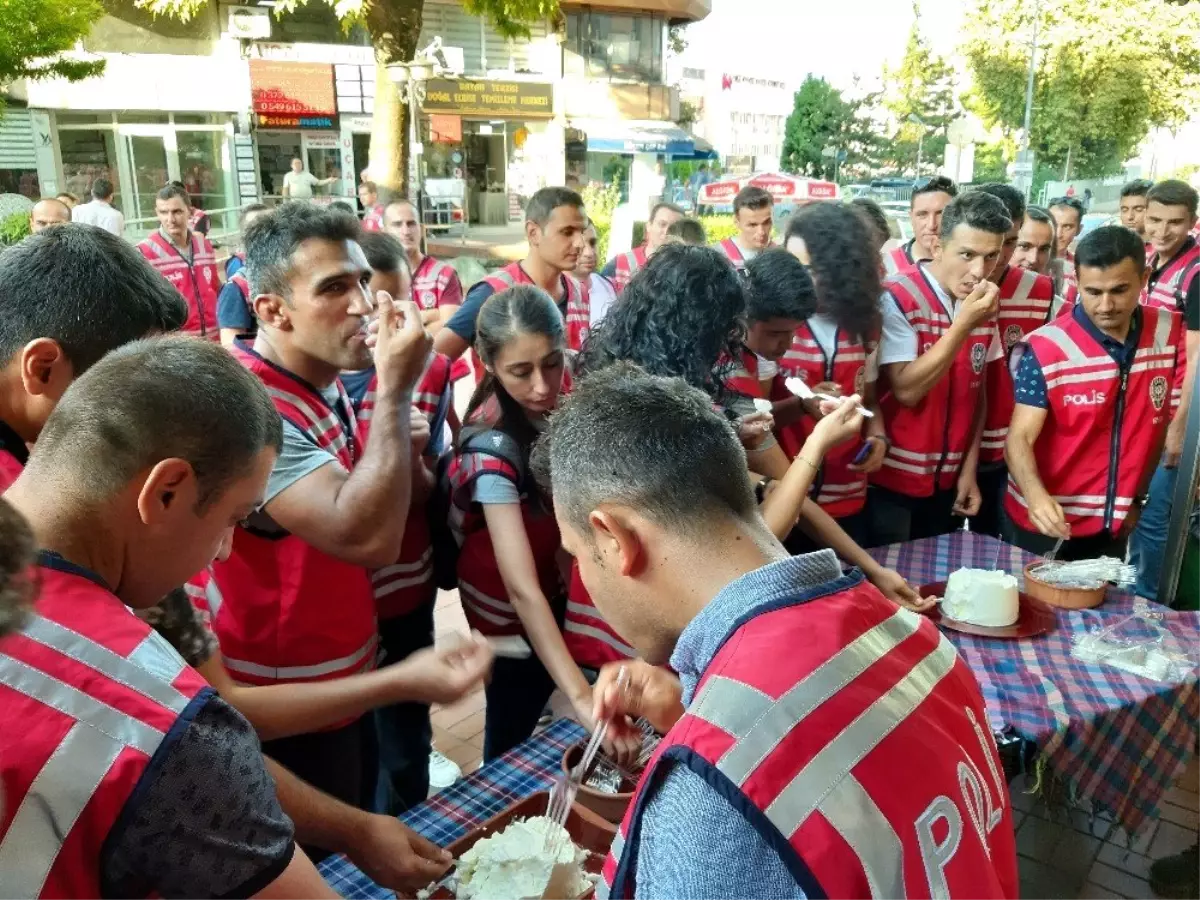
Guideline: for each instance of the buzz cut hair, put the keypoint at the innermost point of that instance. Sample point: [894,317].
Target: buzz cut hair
[650,443]
[272,240]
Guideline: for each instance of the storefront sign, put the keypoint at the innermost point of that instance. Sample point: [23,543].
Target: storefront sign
[445,129]
[506,99]
[293,95]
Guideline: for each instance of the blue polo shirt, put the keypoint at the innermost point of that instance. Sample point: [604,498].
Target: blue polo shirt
[1029,382]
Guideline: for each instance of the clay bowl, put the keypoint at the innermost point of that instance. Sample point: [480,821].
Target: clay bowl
[1063,597]
[610,807]
[587,830]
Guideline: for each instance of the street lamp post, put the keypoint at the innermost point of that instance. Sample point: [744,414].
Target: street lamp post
[410,79]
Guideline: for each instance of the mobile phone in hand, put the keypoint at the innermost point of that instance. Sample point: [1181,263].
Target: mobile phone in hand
[863,453]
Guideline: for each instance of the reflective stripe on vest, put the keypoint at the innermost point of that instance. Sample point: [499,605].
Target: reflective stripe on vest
[930,439]
[898,259]
[732,252]
[1026,303]
[1168,287]
[429,282]
[193,279]
[803,756]
[1079,445]
[627,265]
[360,659]
[590,640]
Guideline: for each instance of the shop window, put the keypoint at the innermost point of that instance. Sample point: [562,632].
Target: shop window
[623,48]
[202,168]
[88,154]
[20,181]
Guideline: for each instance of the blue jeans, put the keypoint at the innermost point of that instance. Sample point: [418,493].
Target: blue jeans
[1149,538]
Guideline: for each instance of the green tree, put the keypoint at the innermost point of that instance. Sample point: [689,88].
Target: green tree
[35,33]
[919,93]
[1107,72]
[822,118]
[394,27]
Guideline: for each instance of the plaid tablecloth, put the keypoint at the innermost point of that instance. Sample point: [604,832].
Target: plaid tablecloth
[448,815]
[1116,739]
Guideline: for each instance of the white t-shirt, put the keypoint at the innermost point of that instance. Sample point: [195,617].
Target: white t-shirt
[899,343]
[601,297]
[300,185]
[824,332]
[100,214]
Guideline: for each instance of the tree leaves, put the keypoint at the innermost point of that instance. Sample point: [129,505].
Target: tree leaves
[34,34]
[821,117]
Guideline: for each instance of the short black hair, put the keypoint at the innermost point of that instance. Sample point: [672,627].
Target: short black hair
[383,252]
[87,289]
[1069,203]
[174,189]
[651,443]
[778,287]
[546,200]
[1174,192]
[343,206]
[977,210]
[17,589]
[1139,187]
[688,230]
[661,205]
[751,197]
[1013,200]
[1043,215]
[938,184]
[1107,246]
[155,399]
[102,188]
[250,210]
[874,214]
[271,241]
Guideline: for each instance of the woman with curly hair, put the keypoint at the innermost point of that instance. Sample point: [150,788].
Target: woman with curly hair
[683,315]
[834,349]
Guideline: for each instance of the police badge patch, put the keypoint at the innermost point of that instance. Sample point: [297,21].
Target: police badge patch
[1012,334]
[428,300]
[1158,391]
[978,356]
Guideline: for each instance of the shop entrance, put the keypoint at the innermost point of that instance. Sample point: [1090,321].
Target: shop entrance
[319,150]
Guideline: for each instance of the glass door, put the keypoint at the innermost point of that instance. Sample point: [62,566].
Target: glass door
[150,171]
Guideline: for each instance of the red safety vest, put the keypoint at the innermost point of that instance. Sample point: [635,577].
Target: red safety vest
[840,491]
[741,375]
[578,305]
[292,612]
[801,718]
[899,259]
[627,265]
[88,694]
[408,584]
[434,283]
[13,456]
[731,251]
[1026,303]
[931,439]
[196,281]
[1103,422]
[589,638]
[484,597]
[1169,283]
[372,219]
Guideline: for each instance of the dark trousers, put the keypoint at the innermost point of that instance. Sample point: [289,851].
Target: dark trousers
[516,696]
[342,762]
[797,542]
[405,735]
[993,485]
[893,517]
[1103,544]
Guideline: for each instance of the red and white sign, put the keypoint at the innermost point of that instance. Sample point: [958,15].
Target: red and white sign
[790,189]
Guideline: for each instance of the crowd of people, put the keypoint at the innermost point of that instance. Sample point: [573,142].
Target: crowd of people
[268,469]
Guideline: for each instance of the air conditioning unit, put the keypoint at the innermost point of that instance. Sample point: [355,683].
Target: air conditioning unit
[249,23]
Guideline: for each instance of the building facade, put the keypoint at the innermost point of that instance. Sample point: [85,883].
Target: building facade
[225,102]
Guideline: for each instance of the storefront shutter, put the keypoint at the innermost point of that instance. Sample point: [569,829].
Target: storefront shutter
[457,28]
[16,140]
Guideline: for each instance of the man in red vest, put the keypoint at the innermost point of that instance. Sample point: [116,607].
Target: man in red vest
[1095,391]
[799,687]
[623,266]
[68,296]
[754,215]
[338,497]
[1133,205]
[939,334]
[554,226]
[234,313]
[1026,302]
[368,196]
[1035,252]
[1068,217]
[135,483]
[436,287]
[185,259]
[1173,284]
[925,215]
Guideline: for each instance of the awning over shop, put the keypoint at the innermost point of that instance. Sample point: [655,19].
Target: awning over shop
[636,137]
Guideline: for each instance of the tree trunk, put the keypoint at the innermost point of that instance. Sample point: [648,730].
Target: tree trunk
[395,28]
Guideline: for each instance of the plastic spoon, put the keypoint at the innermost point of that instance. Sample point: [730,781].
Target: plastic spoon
[804,392]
